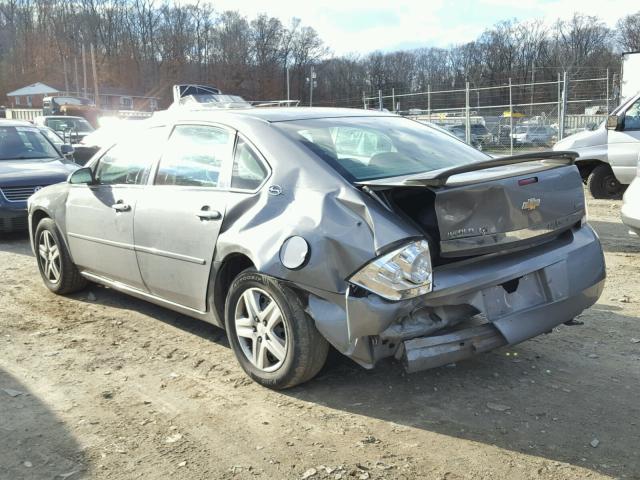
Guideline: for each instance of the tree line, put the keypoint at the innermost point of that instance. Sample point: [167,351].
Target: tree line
[148,45]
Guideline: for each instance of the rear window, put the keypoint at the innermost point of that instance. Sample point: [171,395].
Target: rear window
[368,148]
[25,143]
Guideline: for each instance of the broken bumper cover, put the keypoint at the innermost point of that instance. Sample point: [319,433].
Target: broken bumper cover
[517,295]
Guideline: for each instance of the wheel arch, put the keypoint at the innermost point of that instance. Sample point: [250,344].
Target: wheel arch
[586,166]
[221,281]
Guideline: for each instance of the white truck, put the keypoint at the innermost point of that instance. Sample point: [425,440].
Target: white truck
[608,156]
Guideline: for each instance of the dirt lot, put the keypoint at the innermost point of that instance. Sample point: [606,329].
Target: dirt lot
[100,385]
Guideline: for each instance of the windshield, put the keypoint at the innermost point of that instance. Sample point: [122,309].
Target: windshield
[64,124]
[368,148]
[22,143]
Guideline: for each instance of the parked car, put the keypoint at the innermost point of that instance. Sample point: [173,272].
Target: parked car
[52,136]
[280,226]
[71,129]
[533,135]
[479,134]
[28,162]
[607,155]
[631,204]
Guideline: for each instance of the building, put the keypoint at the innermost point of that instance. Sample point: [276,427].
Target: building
[31,96]
[110,98]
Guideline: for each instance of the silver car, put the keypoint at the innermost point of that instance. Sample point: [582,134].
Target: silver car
[299,228]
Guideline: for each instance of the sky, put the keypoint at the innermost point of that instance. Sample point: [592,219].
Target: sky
[363,26]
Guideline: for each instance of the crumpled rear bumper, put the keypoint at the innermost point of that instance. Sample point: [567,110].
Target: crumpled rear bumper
[479,304]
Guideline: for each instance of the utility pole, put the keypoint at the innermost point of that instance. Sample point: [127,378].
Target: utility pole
[75,67]
[84,70]
[288,88]
[96,93]
[66,77]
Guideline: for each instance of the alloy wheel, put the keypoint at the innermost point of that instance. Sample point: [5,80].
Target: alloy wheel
[49,256]
[261,330]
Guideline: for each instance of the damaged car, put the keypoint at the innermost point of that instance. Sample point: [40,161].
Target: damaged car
[296,229]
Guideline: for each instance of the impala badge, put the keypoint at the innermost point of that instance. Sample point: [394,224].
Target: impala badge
[531,204]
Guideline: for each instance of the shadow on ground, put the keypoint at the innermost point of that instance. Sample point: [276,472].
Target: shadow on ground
[558,398]
[34,442]
[614,236]
[120,301]
[552,400]
[15,242]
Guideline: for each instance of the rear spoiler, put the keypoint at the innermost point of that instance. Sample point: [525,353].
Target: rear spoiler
[439,177]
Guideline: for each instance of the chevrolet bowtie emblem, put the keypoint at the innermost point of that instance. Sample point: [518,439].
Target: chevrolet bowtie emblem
[531,204]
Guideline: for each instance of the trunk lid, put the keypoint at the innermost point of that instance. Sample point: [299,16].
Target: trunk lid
[491,209]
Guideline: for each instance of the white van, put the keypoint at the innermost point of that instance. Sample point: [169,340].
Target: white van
[609,154]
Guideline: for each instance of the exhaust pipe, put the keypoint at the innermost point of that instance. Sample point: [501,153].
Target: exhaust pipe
[434,351]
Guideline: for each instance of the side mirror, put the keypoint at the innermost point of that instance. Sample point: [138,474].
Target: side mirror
[82,176]
[614,122]
[66,149]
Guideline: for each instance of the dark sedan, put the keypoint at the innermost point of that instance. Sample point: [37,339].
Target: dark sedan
[28,162]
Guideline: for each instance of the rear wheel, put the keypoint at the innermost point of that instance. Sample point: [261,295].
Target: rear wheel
[58,272]
[274,340]
[603,184]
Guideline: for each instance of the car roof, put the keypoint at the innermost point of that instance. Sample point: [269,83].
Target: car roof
[272,114]
[6,122]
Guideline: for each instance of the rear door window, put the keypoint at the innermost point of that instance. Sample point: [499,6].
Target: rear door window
[194,156]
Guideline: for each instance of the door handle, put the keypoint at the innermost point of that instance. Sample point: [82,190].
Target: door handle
[120,206]
[206,214]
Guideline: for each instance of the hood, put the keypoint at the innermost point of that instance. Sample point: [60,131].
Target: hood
[35,172]
[583,139]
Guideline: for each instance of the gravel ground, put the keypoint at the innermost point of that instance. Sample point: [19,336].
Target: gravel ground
[100,385]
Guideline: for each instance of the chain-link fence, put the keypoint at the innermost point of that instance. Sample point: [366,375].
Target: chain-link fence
[507,119]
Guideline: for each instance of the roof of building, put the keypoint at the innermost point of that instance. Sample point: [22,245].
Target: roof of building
[37,88]
[40,88]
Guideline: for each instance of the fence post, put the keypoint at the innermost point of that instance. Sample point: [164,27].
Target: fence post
[607,91]
[393,100]
[467,120]
[364,100]
[559,104]
[429,101]
[510,119]
[563,112]
[380,99]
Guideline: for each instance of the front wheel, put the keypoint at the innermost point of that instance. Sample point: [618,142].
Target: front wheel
[274,340]
[58,272]
[603,184]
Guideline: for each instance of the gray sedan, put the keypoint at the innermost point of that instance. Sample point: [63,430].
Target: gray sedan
[296,229]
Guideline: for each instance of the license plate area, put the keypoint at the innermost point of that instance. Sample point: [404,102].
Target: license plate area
[515,295]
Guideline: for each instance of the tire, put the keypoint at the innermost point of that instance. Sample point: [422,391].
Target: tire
[258,345]
[50,249]
[602,183]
